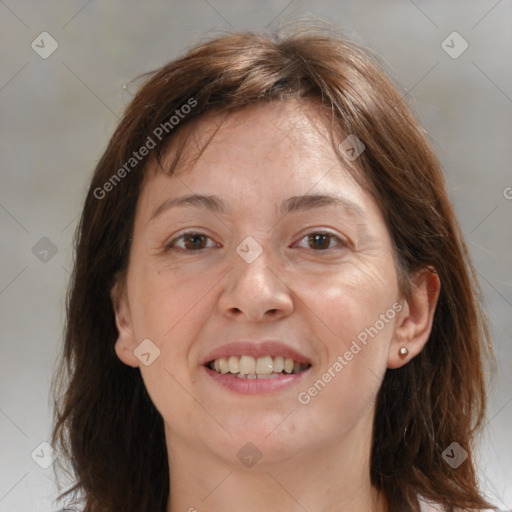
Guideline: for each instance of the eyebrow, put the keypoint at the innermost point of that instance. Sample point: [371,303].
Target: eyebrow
[293,204]
[310,201]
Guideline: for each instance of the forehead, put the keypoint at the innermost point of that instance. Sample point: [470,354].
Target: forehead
[297,127]
[258,154]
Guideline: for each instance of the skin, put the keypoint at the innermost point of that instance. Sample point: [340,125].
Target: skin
[315,456]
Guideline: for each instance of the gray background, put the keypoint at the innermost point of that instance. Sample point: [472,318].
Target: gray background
[58,113]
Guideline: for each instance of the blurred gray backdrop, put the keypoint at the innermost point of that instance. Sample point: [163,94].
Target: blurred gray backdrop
[64,65]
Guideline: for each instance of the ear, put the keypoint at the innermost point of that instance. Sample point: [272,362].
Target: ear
[413,325]
[125,343]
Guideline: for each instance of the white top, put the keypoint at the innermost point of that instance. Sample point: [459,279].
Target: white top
[426,507]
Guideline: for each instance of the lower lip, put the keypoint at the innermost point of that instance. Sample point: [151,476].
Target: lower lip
[256,386]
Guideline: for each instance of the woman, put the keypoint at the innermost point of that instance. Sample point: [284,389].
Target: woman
[272,306]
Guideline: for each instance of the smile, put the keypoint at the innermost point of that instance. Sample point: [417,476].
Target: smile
[249,367]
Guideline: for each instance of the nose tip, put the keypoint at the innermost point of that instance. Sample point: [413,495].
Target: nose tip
[255,292]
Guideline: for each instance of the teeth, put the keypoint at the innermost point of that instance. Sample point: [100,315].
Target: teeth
[223,364]
[234,364]
[247,365]
[269,376]
[278,364]
[288,365]
[251,368]
[264,365]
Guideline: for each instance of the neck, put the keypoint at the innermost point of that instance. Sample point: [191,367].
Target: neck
[321,479]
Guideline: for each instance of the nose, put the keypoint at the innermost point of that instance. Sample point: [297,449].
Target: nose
[255,292]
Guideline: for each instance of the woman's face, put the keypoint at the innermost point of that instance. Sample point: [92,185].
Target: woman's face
[263,249]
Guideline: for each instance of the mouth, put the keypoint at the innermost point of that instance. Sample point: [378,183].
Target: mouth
[249,367]
[253,368]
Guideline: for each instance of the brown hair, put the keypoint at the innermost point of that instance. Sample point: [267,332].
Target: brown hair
[105,423]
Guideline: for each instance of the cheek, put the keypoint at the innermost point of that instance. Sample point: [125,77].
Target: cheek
[164,299]
[354,318]
[348,301]
[170,308]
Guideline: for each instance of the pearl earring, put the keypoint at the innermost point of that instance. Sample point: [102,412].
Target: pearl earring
[403,352]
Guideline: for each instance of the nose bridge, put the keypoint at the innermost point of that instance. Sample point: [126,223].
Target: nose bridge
[253,265]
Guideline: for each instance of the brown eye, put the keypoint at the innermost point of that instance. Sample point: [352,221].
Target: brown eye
[191,242]
[194,242]
[321,241]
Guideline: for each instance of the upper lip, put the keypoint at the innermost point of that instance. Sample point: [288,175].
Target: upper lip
[256,349]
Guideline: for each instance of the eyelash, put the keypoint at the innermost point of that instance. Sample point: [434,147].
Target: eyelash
[172,244]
